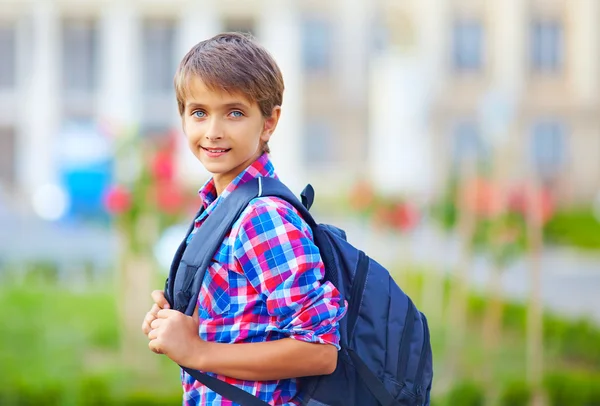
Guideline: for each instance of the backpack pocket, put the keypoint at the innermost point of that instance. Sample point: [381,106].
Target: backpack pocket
[401,393]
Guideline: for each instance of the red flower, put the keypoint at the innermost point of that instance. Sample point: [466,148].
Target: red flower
[169,197]
[163,168]
[117,199]
[483,198]
[362,196]
[404,217]
[543,204]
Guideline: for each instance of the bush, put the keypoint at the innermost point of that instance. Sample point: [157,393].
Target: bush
[94,391]
[576,341]
[515,394]
[573,389]
[147,399]
[466,393]
[578,227]
[23,394]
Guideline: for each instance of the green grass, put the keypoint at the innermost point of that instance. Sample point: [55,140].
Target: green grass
[59,347]
[571,348]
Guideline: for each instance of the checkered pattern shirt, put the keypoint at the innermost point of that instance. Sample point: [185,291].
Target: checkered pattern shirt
[264,284]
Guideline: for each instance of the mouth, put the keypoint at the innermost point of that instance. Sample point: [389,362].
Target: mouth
[215,152]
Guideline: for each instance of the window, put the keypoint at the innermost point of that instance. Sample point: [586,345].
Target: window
[318,144]
[547,46]
[158,57]
[79,63]
[548,147]
[316,44]
[468,145]
[7,156]
[379,37]
[467,45]
[7,56]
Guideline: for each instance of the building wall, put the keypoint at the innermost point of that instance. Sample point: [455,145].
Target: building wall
[337,59]
[567,95]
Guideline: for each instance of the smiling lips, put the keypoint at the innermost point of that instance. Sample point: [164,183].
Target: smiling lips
[215,152]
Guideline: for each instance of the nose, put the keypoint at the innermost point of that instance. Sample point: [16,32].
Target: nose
[214,130]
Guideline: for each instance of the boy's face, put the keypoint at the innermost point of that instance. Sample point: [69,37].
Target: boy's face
[225,131]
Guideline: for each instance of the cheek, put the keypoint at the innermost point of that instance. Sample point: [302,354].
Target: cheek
[192,132]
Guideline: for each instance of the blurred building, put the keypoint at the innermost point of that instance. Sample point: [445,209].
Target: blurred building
[399,92]
[536,65]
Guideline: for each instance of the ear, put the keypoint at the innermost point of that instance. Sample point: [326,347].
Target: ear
[270,124]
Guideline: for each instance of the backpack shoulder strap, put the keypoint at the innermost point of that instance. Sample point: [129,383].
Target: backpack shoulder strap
[191,261]
[273,187]
[192,268]
[205,242]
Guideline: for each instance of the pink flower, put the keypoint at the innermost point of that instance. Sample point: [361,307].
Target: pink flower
[163,168]
[483,198]
[169,197]
[404,217]
[117,199]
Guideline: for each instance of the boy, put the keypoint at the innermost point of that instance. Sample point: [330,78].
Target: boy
[264,291]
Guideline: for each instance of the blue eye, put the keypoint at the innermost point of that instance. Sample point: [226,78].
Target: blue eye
[237,114]
[199,114]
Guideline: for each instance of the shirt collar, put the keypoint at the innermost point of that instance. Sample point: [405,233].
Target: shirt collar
[262,167]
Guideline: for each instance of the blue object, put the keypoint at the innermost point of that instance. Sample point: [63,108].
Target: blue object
[85,167]
[386,354]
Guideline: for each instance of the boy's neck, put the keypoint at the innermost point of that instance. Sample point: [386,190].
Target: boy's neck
[220,186]
[221,181]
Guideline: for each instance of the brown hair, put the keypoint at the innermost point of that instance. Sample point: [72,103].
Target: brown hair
[232,62]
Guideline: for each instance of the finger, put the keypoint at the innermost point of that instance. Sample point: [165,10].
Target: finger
[154,310]
[155,346]
[150,317]
[159,298]
[155,324]
[166,313]
[147,320]
[152,334]
[146,327]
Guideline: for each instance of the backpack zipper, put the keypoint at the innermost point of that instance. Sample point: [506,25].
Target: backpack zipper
[421,368]
[405,342]
[358,287]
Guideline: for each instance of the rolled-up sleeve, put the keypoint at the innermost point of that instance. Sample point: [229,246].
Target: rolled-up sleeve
[275,250]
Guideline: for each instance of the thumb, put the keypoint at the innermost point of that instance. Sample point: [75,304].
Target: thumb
[159,298]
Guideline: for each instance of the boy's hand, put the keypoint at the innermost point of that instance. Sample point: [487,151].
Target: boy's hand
[175,335]
[159,303]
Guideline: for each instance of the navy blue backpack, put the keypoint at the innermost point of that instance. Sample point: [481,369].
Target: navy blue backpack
[386,353]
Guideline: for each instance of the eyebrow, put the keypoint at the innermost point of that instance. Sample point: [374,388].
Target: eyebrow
[227,106]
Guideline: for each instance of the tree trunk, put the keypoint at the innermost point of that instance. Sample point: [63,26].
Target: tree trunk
[460,285]
[535,342]
[492,332]
[135,283]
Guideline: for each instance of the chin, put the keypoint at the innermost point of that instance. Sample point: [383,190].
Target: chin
[216,168]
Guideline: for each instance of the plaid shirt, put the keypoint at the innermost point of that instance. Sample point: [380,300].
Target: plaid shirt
[263,284]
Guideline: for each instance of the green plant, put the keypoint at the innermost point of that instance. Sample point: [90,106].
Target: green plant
[149,399]
[466,393]
[577,227]
[94,391]
[517,393]
[573,389]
